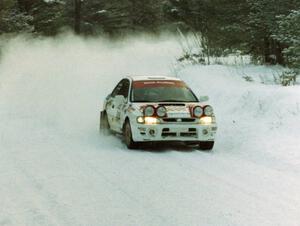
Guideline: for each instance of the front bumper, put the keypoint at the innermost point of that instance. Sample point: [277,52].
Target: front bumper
[173,132]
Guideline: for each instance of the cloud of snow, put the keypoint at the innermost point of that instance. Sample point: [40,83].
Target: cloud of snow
[63,81]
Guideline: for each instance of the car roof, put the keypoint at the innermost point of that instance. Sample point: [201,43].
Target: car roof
[151,78]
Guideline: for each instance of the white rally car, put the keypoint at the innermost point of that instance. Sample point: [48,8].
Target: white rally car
[154,109]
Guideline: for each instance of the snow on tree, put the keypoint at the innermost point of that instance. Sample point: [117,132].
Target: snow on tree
[288,33]
[13,21]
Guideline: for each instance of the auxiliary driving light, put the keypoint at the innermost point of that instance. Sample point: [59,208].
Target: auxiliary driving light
[149,110]
[161,111]
[197,111]
[208,110]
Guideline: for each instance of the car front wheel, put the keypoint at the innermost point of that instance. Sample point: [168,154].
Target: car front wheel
[127,135]
[206,145]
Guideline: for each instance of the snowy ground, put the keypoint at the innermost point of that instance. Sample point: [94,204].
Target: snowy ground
[55,169]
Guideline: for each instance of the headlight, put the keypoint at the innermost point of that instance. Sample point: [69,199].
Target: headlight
[151,120]
[161,111]
[140,119]
[208,110]
[197,111]
[149,111]
[206,120]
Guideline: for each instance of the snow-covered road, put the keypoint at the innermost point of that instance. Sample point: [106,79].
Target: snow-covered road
[55,169]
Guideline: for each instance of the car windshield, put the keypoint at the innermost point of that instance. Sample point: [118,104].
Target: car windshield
[161,91]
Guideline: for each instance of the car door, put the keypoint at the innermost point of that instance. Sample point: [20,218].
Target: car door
[116,104]
[121,103]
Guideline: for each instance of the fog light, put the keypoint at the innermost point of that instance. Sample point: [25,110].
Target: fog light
[152,132]
[205,132]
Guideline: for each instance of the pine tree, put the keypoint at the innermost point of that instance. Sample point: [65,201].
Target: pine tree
[12,19]
[48,17]
[288,33]
[261,25]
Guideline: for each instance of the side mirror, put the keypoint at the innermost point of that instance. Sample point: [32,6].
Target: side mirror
[203,98]
[120,99]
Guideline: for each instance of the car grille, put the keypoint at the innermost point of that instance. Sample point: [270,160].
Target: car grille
[192,132]
[178,120]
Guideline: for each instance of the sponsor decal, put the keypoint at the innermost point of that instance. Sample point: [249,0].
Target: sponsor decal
[158,83]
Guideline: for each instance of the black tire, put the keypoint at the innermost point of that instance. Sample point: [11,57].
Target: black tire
[206,145]
[104,127]
[127,136]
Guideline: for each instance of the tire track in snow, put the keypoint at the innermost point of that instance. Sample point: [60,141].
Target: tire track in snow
[91,169]
[245,188]
[44,208]
[25,203]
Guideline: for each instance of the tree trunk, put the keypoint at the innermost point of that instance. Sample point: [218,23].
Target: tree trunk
[25,5]
[77,16]
[266,50]
[21,5]
[279,54]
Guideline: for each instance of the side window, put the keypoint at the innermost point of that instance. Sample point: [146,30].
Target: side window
[125,88]
[122,88]
[117,89]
